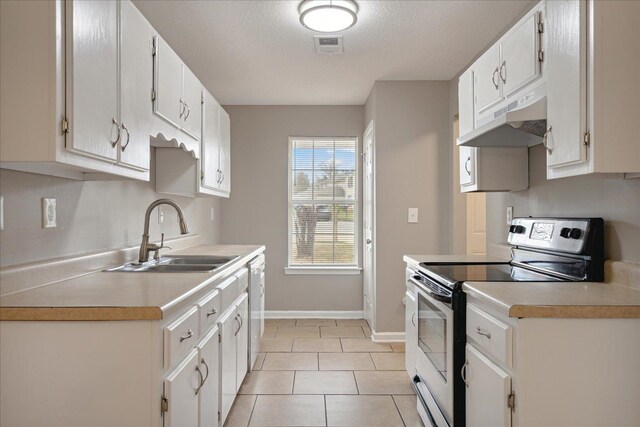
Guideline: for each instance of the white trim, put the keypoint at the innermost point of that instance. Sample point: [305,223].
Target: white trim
[369,130]
[272,314]
[387,336]
[322,270]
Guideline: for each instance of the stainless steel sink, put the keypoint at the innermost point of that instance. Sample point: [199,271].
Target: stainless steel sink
[176,264]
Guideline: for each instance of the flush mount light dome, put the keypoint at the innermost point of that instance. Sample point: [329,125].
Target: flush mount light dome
[328,16]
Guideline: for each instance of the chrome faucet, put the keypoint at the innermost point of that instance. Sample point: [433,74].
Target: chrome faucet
[145,246]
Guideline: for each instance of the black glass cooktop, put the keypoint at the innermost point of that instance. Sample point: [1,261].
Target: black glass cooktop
[488,273]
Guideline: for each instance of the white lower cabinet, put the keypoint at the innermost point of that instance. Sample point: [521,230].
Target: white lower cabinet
[411,332]
[180,388]
[487,393]
[234,350]
[208,359]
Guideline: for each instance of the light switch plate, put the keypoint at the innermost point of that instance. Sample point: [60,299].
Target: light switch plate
[412,216]
[49,215]
[509,214]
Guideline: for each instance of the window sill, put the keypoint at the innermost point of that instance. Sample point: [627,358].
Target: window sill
[322,270]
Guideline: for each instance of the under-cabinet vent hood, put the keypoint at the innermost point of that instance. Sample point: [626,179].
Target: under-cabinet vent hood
[520,122]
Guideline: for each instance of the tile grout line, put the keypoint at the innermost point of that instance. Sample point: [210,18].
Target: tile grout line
[398,409]
[293,386]
[355,380]
[326,415]
[253,407]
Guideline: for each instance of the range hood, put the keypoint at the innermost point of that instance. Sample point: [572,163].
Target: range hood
[516,123]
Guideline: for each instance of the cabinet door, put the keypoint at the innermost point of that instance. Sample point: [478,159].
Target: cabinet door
[467,165]
[488,388]
[487,90]
[192,97]
[225,150]
[228,327]
[210,163]
[262,299]
[465,102]
[566,82]
[136,84]
[180,390]
[255,303]
[411,333]
[168,80]
[92,78]
[520,65]
[243,341]
[208,359]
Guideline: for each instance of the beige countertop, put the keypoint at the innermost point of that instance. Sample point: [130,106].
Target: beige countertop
[120,296]
[558,299]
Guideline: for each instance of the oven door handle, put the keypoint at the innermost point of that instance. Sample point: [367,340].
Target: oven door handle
[423,403]
[436,296]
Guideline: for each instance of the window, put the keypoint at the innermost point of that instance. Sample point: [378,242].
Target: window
[323,195]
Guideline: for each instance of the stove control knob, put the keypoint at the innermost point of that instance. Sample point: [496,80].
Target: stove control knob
[512,229]
[575,233]
[519,229]
[565,232]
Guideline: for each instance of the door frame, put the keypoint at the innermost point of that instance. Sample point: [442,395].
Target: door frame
[369,315]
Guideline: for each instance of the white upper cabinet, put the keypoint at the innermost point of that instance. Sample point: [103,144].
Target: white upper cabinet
[136,81]
[192,97]
[520,64]
[467,165]
[225,151]
[593,95]
[92,78]
[168,91]
[487,86]
[493,168]
[210,162]
[465,102]
[178,92]
[92,62]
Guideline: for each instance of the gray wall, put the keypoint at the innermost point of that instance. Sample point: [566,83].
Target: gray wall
[608,196]
[92,216]
[257,211]
[413,152]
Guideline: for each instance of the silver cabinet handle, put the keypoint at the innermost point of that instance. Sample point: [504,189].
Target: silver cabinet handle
[124,146]
[188,335]
[115,123]
[493,77]
[503,67]
[218,176]
[413,319]
[212,312]
[262,289]
[182,107]
[206,366]
[545,140]
[468,168]
[483,333]
[237,330]
[188,111]
[201,379]
[222,177]
[463,373]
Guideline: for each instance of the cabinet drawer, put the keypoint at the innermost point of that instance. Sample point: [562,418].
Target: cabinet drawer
[243,280]
[209,310]
[490,334]
[180,336]
[228,292]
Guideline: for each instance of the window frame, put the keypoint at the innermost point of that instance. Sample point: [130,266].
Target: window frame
[324,268]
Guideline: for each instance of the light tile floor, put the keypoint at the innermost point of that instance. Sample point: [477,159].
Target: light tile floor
[323,372]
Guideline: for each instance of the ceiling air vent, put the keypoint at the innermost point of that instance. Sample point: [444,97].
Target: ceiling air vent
[328,45]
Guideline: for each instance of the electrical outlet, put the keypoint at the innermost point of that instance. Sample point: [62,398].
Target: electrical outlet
[160,215]
[509,214]
[213,215]
[412,216]
[49,216]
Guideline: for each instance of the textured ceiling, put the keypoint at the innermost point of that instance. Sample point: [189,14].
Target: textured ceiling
[257,53]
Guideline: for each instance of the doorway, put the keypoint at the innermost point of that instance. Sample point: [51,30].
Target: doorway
[368,225]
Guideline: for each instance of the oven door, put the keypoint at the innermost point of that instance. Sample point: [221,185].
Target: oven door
[434,360]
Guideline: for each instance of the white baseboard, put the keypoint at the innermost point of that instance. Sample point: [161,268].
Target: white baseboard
[387,336]
[272,314]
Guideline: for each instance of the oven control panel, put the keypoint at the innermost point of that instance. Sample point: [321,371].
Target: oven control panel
[556,234]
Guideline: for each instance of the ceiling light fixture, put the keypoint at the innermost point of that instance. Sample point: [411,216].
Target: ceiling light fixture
[328,16]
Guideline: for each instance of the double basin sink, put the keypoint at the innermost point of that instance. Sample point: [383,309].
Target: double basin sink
[176,264]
